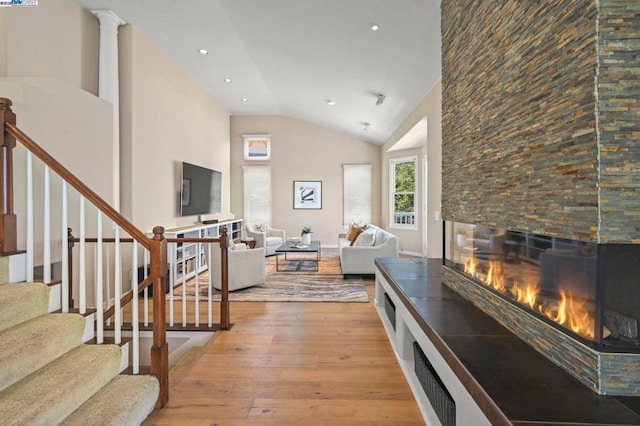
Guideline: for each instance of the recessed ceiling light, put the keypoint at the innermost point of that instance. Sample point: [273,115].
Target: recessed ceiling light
[227,80]
[203,51]
[330,102]
[244,99]
[375,27]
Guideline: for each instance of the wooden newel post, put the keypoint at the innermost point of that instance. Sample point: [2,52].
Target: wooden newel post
[224,270]
[160,348]
[8,229]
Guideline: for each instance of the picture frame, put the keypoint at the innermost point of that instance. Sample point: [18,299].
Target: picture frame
[307,194]
[257,147]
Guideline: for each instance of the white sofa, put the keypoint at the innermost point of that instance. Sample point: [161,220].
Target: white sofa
[246,266]
[359,259]
[268,237]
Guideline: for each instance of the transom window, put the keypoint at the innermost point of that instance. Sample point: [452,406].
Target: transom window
[402,188]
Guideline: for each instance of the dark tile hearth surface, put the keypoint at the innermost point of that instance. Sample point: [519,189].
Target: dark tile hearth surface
[526,387]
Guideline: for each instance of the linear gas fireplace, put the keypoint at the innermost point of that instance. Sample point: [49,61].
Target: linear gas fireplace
[576,302]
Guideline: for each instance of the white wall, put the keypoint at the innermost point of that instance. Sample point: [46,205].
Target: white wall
[302,151]
[166,118]
[430,107]
[71,125]
[55,39]
[49,69]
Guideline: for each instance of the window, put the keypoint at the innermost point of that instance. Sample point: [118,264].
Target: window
[402,197]
[356,181]
[257,194]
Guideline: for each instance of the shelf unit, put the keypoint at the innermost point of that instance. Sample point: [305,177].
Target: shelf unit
[190,257]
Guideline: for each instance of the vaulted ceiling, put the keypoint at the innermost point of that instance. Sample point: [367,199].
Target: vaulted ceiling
[291,57]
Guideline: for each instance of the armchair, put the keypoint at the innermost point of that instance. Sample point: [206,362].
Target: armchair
[246,266]
[266,236]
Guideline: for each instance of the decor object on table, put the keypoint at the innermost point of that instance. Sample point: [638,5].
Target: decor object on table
[357,256]
[306,235]
[257,147]
[266,236]
[307,194]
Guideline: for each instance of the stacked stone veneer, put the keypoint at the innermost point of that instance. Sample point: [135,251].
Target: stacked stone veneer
[541,133]
[618,112]
[541,117]
[609,374]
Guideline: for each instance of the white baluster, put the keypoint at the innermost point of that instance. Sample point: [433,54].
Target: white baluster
[65,251]
[209,286]
[30,247]
[184,287]
[82,284]
[172,278]
[117,320]
[99,286]
[197,295]
[145,262]
[46,253]
[135,322]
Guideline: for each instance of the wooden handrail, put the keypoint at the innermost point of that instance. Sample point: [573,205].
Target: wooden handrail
[194,240]
[127,297]
[157,246]
[77,184]
[225,320]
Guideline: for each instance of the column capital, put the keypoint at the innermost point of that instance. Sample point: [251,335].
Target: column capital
[108,17]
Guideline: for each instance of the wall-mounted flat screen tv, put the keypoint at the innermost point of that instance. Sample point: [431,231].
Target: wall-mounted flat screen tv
[201,191]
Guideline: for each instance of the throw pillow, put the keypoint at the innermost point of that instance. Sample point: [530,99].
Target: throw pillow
[259,227]
[381,237]
[355,231]
[352,231]
[239,247]
[366,238]
[358,231]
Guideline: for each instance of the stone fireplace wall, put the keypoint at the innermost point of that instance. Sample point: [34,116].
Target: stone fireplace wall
[541,117]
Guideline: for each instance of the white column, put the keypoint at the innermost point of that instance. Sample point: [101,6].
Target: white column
[108,86]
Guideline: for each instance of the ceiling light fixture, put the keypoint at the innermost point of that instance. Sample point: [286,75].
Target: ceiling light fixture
[330,102]
[244,99]
[381,99]
[366,126]
[203,52]
[227,80]
[375,27]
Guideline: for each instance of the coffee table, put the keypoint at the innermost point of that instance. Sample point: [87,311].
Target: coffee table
[294,247]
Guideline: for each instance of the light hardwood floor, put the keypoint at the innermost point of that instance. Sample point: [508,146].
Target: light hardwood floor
[292,364]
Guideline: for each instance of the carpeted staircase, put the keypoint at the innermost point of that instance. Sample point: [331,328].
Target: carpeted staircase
[48,376]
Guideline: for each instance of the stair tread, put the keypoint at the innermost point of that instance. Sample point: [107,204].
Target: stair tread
[53,392]
[22,302]
[33,344]
[125,400]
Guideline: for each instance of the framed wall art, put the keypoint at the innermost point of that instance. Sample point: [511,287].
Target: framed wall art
[307,194]
[257,147]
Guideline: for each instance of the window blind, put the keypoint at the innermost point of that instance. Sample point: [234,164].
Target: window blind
[257,194]
[357,193]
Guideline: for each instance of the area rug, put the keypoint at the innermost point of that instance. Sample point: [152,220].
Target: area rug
[303,285]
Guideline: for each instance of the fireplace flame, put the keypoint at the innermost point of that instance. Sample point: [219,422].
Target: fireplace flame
[525,293]
[568,311]
[470,267]
[495,277]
